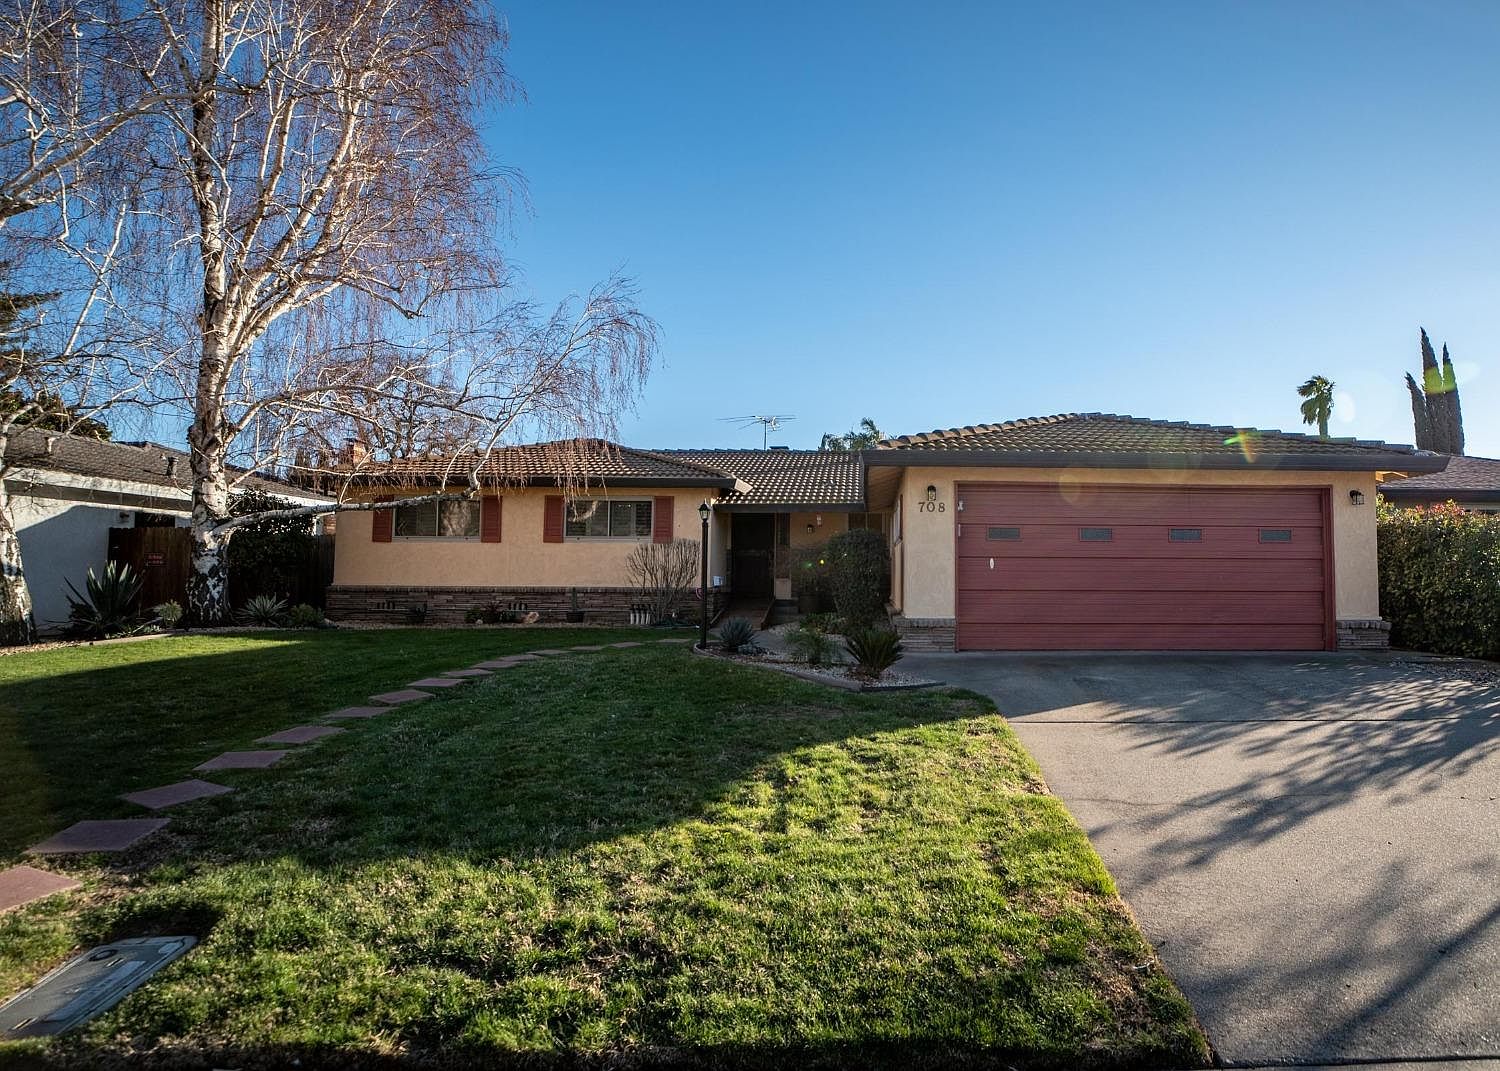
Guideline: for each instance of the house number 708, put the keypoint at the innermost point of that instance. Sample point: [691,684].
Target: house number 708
[932,507]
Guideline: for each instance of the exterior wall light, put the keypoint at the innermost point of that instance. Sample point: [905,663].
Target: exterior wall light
[1356,498]
[931,493]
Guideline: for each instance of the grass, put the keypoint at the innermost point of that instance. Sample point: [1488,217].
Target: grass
[627,858]
[80,725]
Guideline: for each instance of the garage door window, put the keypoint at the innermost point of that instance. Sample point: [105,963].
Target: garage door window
[1003,533]
[1185,535]
[1096,535]
[1275,535]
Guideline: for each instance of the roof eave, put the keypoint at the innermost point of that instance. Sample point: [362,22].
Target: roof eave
[1107,459]
[425,480]
[1440,494]
[790,507]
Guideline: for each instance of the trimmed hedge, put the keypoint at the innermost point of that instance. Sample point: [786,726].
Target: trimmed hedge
[1440,579]
[859,571]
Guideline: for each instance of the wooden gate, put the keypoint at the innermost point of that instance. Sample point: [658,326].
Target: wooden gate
[162,557]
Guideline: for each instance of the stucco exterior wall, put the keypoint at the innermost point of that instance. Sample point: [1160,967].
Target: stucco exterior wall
[927,569]
[520,559]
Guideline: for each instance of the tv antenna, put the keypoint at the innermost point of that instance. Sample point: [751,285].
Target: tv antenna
[768,422]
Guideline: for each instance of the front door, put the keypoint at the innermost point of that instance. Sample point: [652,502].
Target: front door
[752,542]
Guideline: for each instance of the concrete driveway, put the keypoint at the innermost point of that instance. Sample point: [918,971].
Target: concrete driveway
[1311,842]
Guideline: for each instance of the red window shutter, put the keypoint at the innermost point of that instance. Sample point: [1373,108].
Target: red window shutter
[661,519]
[552,520]
[489,519]
[383,523]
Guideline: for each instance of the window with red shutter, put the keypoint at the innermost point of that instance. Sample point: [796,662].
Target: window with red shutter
[489,519]
[382,523]
[661,521]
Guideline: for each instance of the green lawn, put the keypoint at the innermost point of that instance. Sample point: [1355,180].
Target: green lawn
[639,857]
[80,725]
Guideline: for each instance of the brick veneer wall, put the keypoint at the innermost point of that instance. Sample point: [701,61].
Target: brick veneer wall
[388,604]
[925,633]
[1364,634]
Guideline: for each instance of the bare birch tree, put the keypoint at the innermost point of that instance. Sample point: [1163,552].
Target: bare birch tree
[324,218]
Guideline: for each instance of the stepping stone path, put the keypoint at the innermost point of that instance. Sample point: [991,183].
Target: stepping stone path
[357,712]
[243,760]
[438,682]
[23,884]
[401,695]
[172,795]
[300,734]
[112,835]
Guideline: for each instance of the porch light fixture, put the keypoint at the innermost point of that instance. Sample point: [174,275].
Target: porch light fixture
[1356,498]
[811,528]
[931,493]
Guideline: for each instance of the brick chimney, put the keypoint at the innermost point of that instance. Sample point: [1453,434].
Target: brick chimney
[356,452]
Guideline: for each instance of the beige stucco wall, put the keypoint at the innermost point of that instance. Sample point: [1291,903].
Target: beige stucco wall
[520,559]
[927,584]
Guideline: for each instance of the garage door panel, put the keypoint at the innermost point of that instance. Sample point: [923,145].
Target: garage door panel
[1143,608]
[1072,574]
[1140,638]
[1256,578]
[1149,507]
[1136,541]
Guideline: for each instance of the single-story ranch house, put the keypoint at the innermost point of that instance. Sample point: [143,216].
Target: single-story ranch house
[1081,531]
[1473,483]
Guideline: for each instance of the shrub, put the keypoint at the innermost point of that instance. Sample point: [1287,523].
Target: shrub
[859,569]
[810,576]
[495,614]
[824,623]
[267,556]
[168,613]
[664,573]
[735,633]
[874,650]
[263,610]
[304,616]
[810,645]
[106,606]
[1440,579]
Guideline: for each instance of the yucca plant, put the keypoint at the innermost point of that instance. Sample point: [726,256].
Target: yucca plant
[106,606]
[874,651]
[735,633]
[263,610]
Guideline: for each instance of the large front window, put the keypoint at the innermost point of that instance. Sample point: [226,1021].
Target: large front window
[606,518]
[438,520]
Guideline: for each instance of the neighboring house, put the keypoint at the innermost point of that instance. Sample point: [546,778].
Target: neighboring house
[1080,531]
[68,491]
[1471,482]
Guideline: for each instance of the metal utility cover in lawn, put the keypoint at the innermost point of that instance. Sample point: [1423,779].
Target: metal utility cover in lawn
[88,985]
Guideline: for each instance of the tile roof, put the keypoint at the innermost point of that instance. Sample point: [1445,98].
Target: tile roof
[1465,477]
[1089,435]
[586,461]
[134,462]
[825,479]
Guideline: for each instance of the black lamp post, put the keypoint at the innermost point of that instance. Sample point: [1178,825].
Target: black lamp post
[703,514]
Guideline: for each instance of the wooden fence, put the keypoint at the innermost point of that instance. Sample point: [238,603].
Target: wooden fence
[163,558]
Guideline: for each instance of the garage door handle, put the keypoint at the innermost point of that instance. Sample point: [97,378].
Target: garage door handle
[992,563]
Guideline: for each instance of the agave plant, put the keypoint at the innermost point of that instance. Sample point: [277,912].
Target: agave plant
[735,633]
[811,645]
[106,606]
[262,610]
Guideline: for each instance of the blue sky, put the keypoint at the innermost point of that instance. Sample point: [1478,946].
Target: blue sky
[946,214]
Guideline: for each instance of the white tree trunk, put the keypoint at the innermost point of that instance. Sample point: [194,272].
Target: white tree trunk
[17,625]
[208,582]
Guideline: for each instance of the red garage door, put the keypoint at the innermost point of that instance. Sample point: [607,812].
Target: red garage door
[1136,568]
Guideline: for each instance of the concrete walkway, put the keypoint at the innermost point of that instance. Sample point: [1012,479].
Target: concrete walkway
[1311,842]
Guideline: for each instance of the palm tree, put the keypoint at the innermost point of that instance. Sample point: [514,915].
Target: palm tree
[1318,404]
[865,436]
